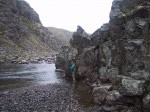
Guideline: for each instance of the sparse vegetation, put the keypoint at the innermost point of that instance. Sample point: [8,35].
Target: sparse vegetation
[29,23]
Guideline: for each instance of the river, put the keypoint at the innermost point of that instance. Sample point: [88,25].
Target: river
[19,76]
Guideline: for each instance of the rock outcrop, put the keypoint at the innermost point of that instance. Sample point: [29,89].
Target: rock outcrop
[80,40]
[118,55]
[21,32]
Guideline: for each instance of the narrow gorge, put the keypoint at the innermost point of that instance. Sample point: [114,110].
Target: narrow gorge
[113,63]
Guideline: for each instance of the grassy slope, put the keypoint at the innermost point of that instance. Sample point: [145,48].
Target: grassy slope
[61,35]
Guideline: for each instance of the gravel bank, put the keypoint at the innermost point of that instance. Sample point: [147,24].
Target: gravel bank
[44,98]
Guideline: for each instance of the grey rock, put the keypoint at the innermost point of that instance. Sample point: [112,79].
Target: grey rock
[141,75]
[6,92]
[112,98]
[108,74]
[100,94]
[141,23]
[115,12]
[116,80]
[104,76]
[132,87]
[137,41]
[23,62]
[80,40]
[105,27]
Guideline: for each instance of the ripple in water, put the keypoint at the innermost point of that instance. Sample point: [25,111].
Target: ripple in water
[24,75]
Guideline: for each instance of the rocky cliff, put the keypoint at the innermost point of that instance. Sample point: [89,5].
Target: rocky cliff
[117,62]
[21,32]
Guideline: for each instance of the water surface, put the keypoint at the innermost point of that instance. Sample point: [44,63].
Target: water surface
[16,76]
[12,76]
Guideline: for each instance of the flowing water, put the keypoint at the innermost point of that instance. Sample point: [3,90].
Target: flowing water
[16,76]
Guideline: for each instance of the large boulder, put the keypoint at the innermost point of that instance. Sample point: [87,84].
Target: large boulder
[116,80]
[140,75]
[80,40]
[103,74]
[132,87]
[112,98]
[106,75]
[87,61]
[100,94]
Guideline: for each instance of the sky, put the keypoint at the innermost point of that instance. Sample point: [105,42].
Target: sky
[67,14]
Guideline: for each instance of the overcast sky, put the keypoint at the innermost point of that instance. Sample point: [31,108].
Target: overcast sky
[67,14]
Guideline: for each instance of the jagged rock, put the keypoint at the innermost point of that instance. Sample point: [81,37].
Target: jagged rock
[107,75]
[86,61]
[103,74]
[134,55]
[112,98]
[140,75]
[100,94]
[115,11]
[80,40]
[120,55]
[105,28]
[101,35]
[132,87]
[135,28]
[23,62]
[113,71]
[117,79]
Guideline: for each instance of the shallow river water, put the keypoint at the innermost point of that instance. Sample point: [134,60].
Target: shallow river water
[16,76]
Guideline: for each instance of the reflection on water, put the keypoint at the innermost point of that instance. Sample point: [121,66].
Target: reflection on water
[84,93]
[15,76]
[12,76]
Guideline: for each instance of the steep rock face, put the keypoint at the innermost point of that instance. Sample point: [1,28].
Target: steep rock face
[128,48]
[120,56]
[21,32]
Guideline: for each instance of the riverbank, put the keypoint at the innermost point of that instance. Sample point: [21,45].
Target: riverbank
[28,60]
[43,98]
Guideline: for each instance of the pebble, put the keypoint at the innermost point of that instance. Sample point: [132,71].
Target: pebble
[43,98]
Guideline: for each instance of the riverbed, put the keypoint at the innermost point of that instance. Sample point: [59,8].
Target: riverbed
[31,76]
